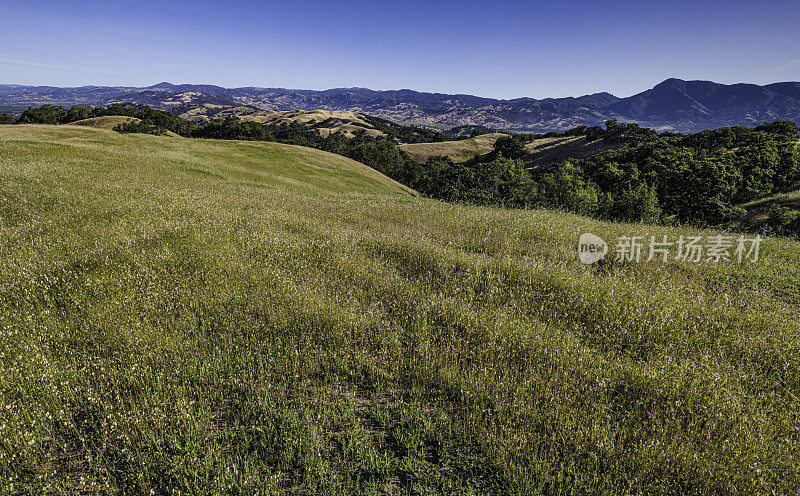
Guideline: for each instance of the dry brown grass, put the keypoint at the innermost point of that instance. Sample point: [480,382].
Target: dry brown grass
[549,151]
[347,123]
[457,151]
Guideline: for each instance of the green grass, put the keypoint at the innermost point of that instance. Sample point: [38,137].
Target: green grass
[200,317]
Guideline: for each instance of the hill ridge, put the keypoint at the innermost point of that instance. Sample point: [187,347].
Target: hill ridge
[673,104]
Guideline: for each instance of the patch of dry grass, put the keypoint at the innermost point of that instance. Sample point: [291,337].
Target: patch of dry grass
[458,151]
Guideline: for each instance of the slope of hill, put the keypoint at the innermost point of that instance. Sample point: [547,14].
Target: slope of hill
[457,151]
[262,164]
[691,105]
[324,121]
[111,121]
[214,317]
[541,152]
[104,122]
[761,213]
[685,106]
[550,151]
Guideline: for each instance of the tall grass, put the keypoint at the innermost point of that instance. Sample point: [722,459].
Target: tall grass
[199,317]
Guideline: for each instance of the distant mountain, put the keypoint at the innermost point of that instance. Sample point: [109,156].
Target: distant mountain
[674,104]
[702,104]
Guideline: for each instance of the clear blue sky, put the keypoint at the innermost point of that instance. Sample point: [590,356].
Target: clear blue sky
[497,48]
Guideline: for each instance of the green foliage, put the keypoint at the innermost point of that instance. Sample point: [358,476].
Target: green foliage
[566,189]
[158,118]
[788,130]
[233,128]
[698,178]
[502,182]
[782,220]
[79,112]
[7,118]
[509,147]
[46,114]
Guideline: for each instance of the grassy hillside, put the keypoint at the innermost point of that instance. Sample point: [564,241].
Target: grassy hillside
[111,121]
[457,151]
[348,123]
[543,151]
[550,151]
[757,213]
[221,317]
[105,122]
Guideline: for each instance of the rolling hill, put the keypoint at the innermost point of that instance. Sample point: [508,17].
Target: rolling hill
[324,121]
[219,317]
[756,214]
[541,152]
[678,105]
[109,122]
[105,122]
[458,151]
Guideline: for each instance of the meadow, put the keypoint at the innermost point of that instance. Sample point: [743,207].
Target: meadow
[184,316]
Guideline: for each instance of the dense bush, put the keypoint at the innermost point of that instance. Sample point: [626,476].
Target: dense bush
[46,114]
[233,128]
[6,118]
[509,147]
[697,178]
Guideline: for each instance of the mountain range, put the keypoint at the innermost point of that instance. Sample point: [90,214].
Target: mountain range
[674,104]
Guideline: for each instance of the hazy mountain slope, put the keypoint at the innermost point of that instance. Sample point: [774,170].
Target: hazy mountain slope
[676,104]
[324,121]
[690,105]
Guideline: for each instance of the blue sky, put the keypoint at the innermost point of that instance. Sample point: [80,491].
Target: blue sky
[502,49]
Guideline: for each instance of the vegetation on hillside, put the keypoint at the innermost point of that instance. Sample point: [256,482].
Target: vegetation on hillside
[700,179]
[211,317]
[459,151]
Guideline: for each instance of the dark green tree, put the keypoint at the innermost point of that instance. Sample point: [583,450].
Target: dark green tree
[509,147]
[46,114]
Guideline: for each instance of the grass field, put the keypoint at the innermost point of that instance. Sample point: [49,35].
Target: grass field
[201,317]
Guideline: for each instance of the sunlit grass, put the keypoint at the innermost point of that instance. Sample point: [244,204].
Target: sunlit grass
[213,317]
